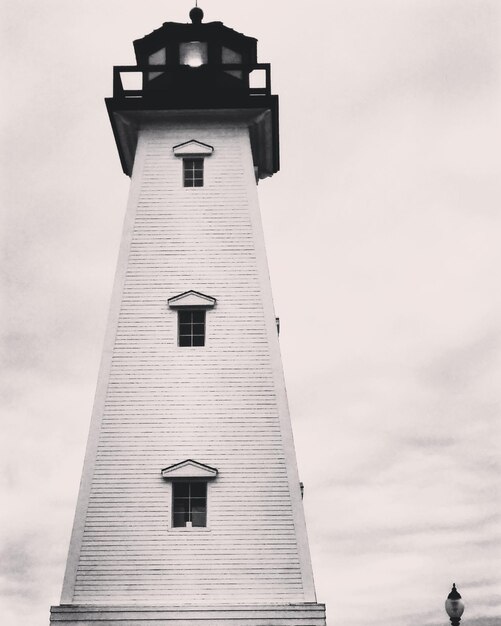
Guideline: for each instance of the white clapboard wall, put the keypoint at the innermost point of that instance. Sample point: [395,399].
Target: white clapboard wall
[223,405]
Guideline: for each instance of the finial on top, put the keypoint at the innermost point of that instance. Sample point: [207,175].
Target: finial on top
[196,14]
[454,594]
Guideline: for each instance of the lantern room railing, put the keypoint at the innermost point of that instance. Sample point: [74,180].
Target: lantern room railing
[145,75]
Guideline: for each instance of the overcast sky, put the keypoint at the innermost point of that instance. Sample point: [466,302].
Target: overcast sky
[383,230]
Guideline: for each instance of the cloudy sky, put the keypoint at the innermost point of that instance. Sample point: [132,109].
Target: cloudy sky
[383,231]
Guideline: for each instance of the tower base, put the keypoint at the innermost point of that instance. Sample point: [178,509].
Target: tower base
[303,614]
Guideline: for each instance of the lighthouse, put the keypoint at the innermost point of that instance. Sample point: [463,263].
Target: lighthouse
[190,506]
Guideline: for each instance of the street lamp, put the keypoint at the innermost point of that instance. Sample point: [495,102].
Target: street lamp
[454,606]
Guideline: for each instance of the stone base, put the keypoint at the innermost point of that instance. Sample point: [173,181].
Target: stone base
[304,614]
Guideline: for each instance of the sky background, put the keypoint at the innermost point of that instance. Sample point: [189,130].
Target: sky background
[383,231]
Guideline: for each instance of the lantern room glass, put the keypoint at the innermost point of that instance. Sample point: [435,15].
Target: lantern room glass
[193,53]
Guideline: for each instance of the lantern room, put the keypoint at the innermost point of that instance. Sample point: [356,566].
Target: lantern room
[198,56]
[191,67]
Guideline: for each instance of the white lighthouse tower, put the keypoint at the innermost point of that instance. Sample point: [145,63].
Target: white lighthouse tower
[190,511]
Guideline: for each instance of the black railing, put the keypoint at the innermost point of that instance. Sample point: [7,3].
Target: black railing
[175,73]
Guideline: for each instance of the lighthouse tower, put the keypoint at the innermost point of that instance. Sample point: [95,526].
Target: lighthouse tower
[190,511]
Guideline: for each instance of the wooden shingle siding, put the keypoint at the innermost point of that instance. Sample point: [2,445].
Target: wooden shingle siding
[221,404]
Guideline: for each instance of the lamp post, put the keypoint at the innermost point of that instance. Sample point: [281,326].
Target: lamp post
[454,606]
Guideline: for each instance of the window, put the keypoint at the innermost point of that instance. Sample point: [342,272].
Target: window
[193,153]
[190,481]
[157,58]
[189,504]
[191,308]
[229,56]
[193,172]
[193,53]
[191,328]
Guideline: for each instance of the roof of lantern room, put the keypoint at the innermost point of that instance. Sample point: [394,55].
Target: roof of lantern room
[216,32]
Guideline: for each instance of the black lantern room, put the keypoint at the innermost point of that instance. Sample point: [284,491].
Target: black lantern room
[204,67]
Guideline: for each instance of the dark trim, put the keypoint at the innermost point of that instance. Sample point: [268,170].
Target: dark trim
[202,465]
[197,293]
[200,143]
[153,88]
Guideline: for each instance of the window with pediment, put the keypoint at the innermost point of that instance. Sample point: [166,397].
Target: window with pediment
[190,483]
[193,154]
[191,309]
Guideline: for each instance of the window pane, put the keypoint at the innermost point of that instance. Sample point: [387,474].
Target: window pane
[181,506]
[199,519]
[198,316]
[193,172]
[191,333]
[179,520]
[181,490]
[158,58]
[193,53]
[189,503]
[230,56]
[198,506]
[198,490]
